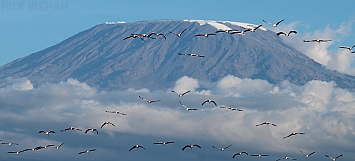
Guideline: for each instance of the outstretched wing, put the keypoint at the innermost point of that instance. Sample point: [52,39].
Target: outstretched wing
[279,33]
[267,22]
[280,22]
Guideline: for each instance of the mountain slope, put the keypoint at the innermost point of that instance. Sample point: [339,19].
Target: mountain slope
[100,57]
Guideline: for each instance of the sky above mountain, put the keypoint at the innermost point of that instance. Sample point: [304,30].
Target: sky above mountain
[30,26]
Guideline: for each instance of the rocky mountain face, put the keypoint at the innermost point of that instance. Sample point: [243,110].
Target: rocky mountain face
[102,58]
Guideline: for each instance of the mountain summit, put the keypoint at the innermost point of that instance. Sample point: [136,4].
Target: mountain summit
[102,58]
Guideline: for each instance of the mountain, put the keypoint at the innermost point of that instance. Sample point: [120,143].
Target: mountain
[102,58]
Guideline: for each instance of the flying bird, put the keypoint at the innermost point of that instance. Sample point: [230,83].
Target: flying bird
[316,40]
[180,95]
[186,108]
[209,101]
[240,153]
[178,34]
[9,144]
[136,146]
[106,123]
[294,133]
[149,101]
[133,36]
[286,158]
[87,151]
[274,24]
[345,47]
[164,143]
[156,34]
[231,108]
[57,147]
[222,149]
[286,34]
[191,146]
[205,35]
[334,159]
[116,112]
[71,128]
[307,155]
[259,155]
[91,130]
[192,55]
[267,123]
[46,132]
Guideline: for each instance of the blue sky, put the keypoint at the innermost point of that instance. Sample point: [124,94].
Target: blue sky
[320,109]
[30,26]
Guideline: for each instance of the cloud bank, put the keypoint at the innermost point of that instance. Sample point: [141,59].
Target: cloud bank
[324,112]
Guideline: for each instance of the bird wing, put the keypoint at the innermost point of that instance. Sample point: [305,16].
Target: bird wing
[182,31]
[128,37]
[308,40]
[142,98]
[204,102]
[132,148]
[244,152]
[60,145]
[228,146]
[87,131]
[200,35]
[141,146]
[151,34]
[41,131]
[280,21]
[303,152]
[311,153]
[235,154]
[257,27]
[197,145]
[324,40]
[292,31]
[267,22]
[214,103]
[279,33]
[186,92]
[103,124]
[185,147]
[345,47]
[329,157]
[339,156]
[163,36]
[182,104]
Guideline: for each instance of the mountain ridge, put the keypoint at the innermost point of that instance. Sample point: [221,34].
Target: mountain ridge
[100,57]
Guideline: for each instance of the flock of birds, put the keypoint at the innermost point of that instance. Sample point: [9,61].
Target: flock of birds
[232,31]
[154,35]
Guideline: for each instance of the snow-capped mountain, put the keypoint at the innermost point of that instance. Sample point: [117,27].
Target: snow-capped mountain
[102,58]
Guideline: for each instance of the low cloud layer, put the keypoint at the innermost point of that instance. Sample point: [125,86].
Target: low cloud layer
[321,110]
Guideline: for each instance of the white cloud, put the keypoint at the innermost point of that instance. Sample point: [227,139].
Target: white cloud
[320,109]
[185,83]
[338,59]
